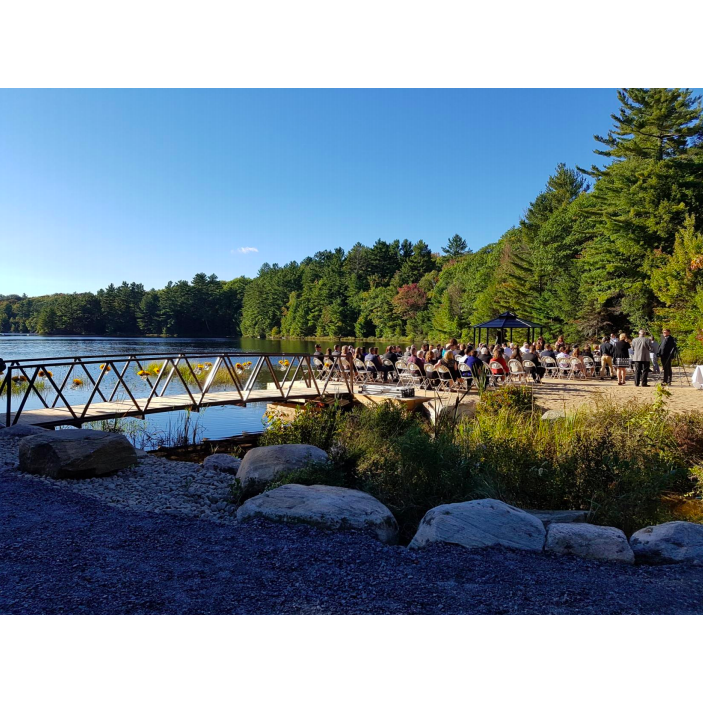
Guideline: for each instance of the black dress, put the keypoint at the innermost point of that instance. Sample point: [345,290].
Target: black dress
[621,353]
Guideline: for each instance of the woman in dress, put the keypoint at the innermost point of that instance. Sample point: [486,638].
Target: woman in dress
[621,358]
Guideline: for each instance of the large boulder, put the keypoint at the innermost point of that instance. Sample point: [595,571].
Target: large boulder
[76,453]
[326,507]
[481,523]
[22,431]
[226,463]
[262,464]
[669,543]
[589,542]
[551,516]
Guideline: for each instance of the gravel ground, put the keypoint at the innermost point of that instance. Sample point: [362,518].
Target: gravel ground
[64,551]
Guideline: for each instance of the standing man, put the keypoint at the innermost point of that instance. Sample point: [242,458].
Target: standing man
[641,350]
[667,349]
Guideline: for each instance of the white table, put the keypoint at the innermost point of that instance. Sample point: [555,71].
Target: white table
[697,378]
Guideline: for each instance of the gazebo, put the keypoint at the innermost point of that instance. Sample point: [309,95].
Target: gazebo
[507,321]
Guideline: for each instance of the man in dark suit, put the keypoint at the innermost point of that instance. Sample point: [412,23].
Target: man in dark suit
[667,351]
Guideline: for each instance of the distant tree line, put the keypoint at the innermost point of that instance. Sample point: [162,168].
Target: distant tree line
[598,250]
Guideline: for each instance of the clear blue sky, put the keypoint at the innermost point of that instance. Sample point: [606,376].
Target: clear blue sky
[151,186]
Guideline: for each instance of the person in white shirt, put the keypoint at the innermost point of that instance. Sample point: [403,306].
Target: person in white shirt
[562,354]
[507,352]
[525,348]
[653,355]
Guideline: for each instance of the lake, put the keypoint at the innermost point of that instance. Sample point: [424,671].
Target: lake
[211,423]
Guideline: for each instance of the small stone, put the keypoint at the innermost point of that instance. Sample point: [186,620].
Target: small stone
[226,463]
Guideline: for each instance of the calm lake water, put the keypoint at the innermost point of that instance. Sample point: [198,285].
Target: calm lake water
[211,423]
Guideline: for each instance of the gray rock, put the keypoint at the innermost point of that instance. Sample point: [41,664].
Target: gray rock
[75,453]
[554,414]
[141,454]
[327,507]
[226,463]
[262,464]
[669,543]
[481,523]
[589,542]
[22,431]
[551,516]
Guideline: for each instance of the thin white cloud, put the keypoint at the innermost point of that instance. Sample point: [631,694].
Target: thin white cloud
[245,250]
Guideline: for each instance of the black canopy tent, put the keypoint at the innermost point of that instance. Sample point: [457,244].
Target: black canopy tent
[507,320]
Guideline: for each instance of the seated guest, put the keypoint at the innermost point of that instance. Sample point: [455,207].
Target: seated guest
[507,351]
[538,370]
[430,360]
[560,342]
[390,355]
[328,357]
[449,361]
[337,350]
[561,352]
[484,355]
[415,359]
[548,351]
[359,354]
[373,358]
[576,354]
[524,348]
[317,354]
[498,356]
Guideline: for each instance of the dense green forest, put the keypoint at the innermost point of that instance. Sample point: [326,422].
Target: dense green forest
[599,249]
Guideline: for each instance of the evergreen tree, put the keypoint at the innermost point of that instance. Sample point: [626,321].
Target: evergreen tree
[653,123]
[456,247]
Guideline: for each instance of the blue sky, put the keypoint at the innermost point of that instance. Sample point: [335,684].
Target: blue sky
[151,186]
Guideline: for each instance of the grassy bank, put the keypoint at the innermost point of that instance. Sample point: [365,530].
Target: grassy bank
[628,466]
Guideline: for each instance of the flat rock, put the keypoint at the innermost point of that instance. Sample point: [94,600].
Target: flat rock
[22,431]
[262,464]
[554,414]
[669,543]
[326,507]
[76,453]
[589,542]
[481,523]
[226,463]
[551,516]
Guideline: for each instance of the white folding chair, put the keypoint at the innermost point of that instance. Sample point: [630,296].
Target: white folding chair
[444,376]
[589,365]
[564,366]
[517,373]
[498,373]
[465,376]
[388,366]
[530,370]
[415,375]
[403,375]
[550,366]
[362,375]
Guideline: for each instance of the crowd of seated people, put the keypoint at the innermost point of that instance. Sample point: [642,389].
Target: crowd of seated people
[456,362]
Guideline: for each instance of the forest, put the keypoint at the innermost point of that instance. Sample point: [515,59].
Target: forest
[599,249]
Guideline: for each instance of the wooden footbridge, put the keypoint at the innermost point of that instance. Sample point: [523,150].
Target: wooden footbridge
[76,390]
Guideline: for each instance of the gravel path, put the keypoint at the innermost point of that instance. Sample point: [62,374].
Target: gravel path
[62,551]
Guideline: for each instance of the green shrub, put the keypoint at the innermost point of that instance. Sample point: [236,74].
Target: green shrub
[312,424]
[518,398]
